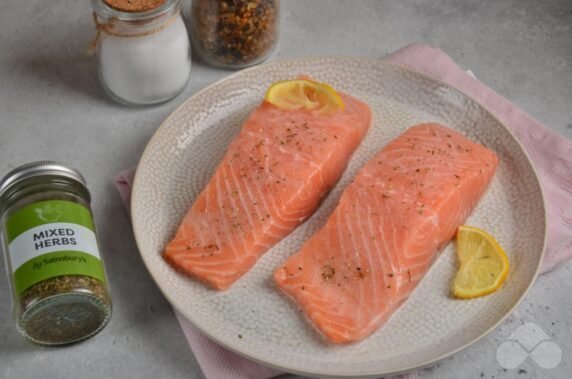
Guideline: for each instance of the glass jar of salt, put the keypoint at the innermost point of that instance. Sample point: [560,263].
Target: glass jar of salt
[143,49]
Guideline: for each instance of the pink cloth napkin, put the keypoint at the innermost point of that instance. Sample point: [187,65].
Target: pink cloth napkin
[551,155]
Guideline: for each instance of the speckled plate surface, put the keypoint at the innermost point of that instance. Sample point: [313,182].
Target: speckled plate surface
[431,325]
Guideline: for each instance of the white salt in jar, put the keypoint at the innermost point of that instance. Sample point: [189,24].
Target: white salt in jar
[143,49]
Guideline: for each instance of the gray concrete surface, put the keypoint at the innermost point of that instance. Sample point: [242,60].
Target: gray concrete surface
[52,107]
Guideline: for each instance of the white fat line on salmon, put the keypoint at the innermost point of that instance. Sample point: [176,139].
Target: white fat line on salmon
[368,248]
[236,227]
[350,249]
[198,225]
[318,171]
[240,195]
[208,264]
[395,245]
[228,231]
[268,208]
[259,204]
[385,251]
[375,246]
[299,156]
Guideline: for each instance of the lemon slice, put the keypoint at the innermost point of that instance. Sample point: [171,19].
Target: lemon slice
[484,264]
[304,94]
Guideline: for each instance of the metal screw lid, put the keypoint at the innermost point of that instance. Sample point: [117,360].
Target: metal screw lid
[40,168]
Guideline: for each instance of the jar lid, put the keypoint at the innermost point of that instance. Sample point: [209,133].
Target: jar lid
[134,5]
[41,168]
[134,10]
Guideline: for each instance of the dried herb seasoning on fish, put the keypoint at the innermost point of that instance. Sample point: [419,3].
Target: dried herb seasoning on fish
[396,261]
[252,203]
[234,33]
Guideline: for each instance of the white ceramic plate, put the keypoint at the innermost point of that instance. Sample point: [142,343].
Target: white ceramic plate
[185,150]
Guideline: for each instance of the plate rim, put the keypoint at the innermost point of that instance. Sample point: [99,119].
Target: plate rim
[373,61]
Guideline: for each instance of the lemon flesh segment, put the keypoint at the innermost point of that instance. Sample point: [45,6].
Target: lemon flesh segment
[484,264]
[304,94]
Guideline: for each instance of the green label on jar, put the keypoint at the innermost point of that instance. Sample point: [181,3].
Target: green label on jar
[52,238]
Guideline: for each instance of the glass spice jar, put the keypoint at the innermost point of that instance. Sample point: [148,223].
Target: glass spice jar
[57,278]
[143,49]
[234,33]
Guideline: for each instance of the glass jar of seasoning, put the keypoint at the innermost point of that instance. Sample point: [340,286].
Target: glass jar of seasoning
[234,33]
[58,282]
[143,49]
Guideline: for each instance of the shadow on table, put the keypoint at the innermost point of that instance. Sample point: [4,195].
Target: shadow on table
[142,315]
[74,71]
[56,58]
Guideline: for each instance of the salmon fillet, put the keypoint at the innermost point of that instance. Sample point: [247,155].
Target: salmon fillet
[403,206]
[272,178]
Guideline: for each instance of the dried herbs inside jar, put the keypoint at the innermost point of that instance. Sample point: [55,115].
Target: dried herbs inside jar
[234,33]
[74,319]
